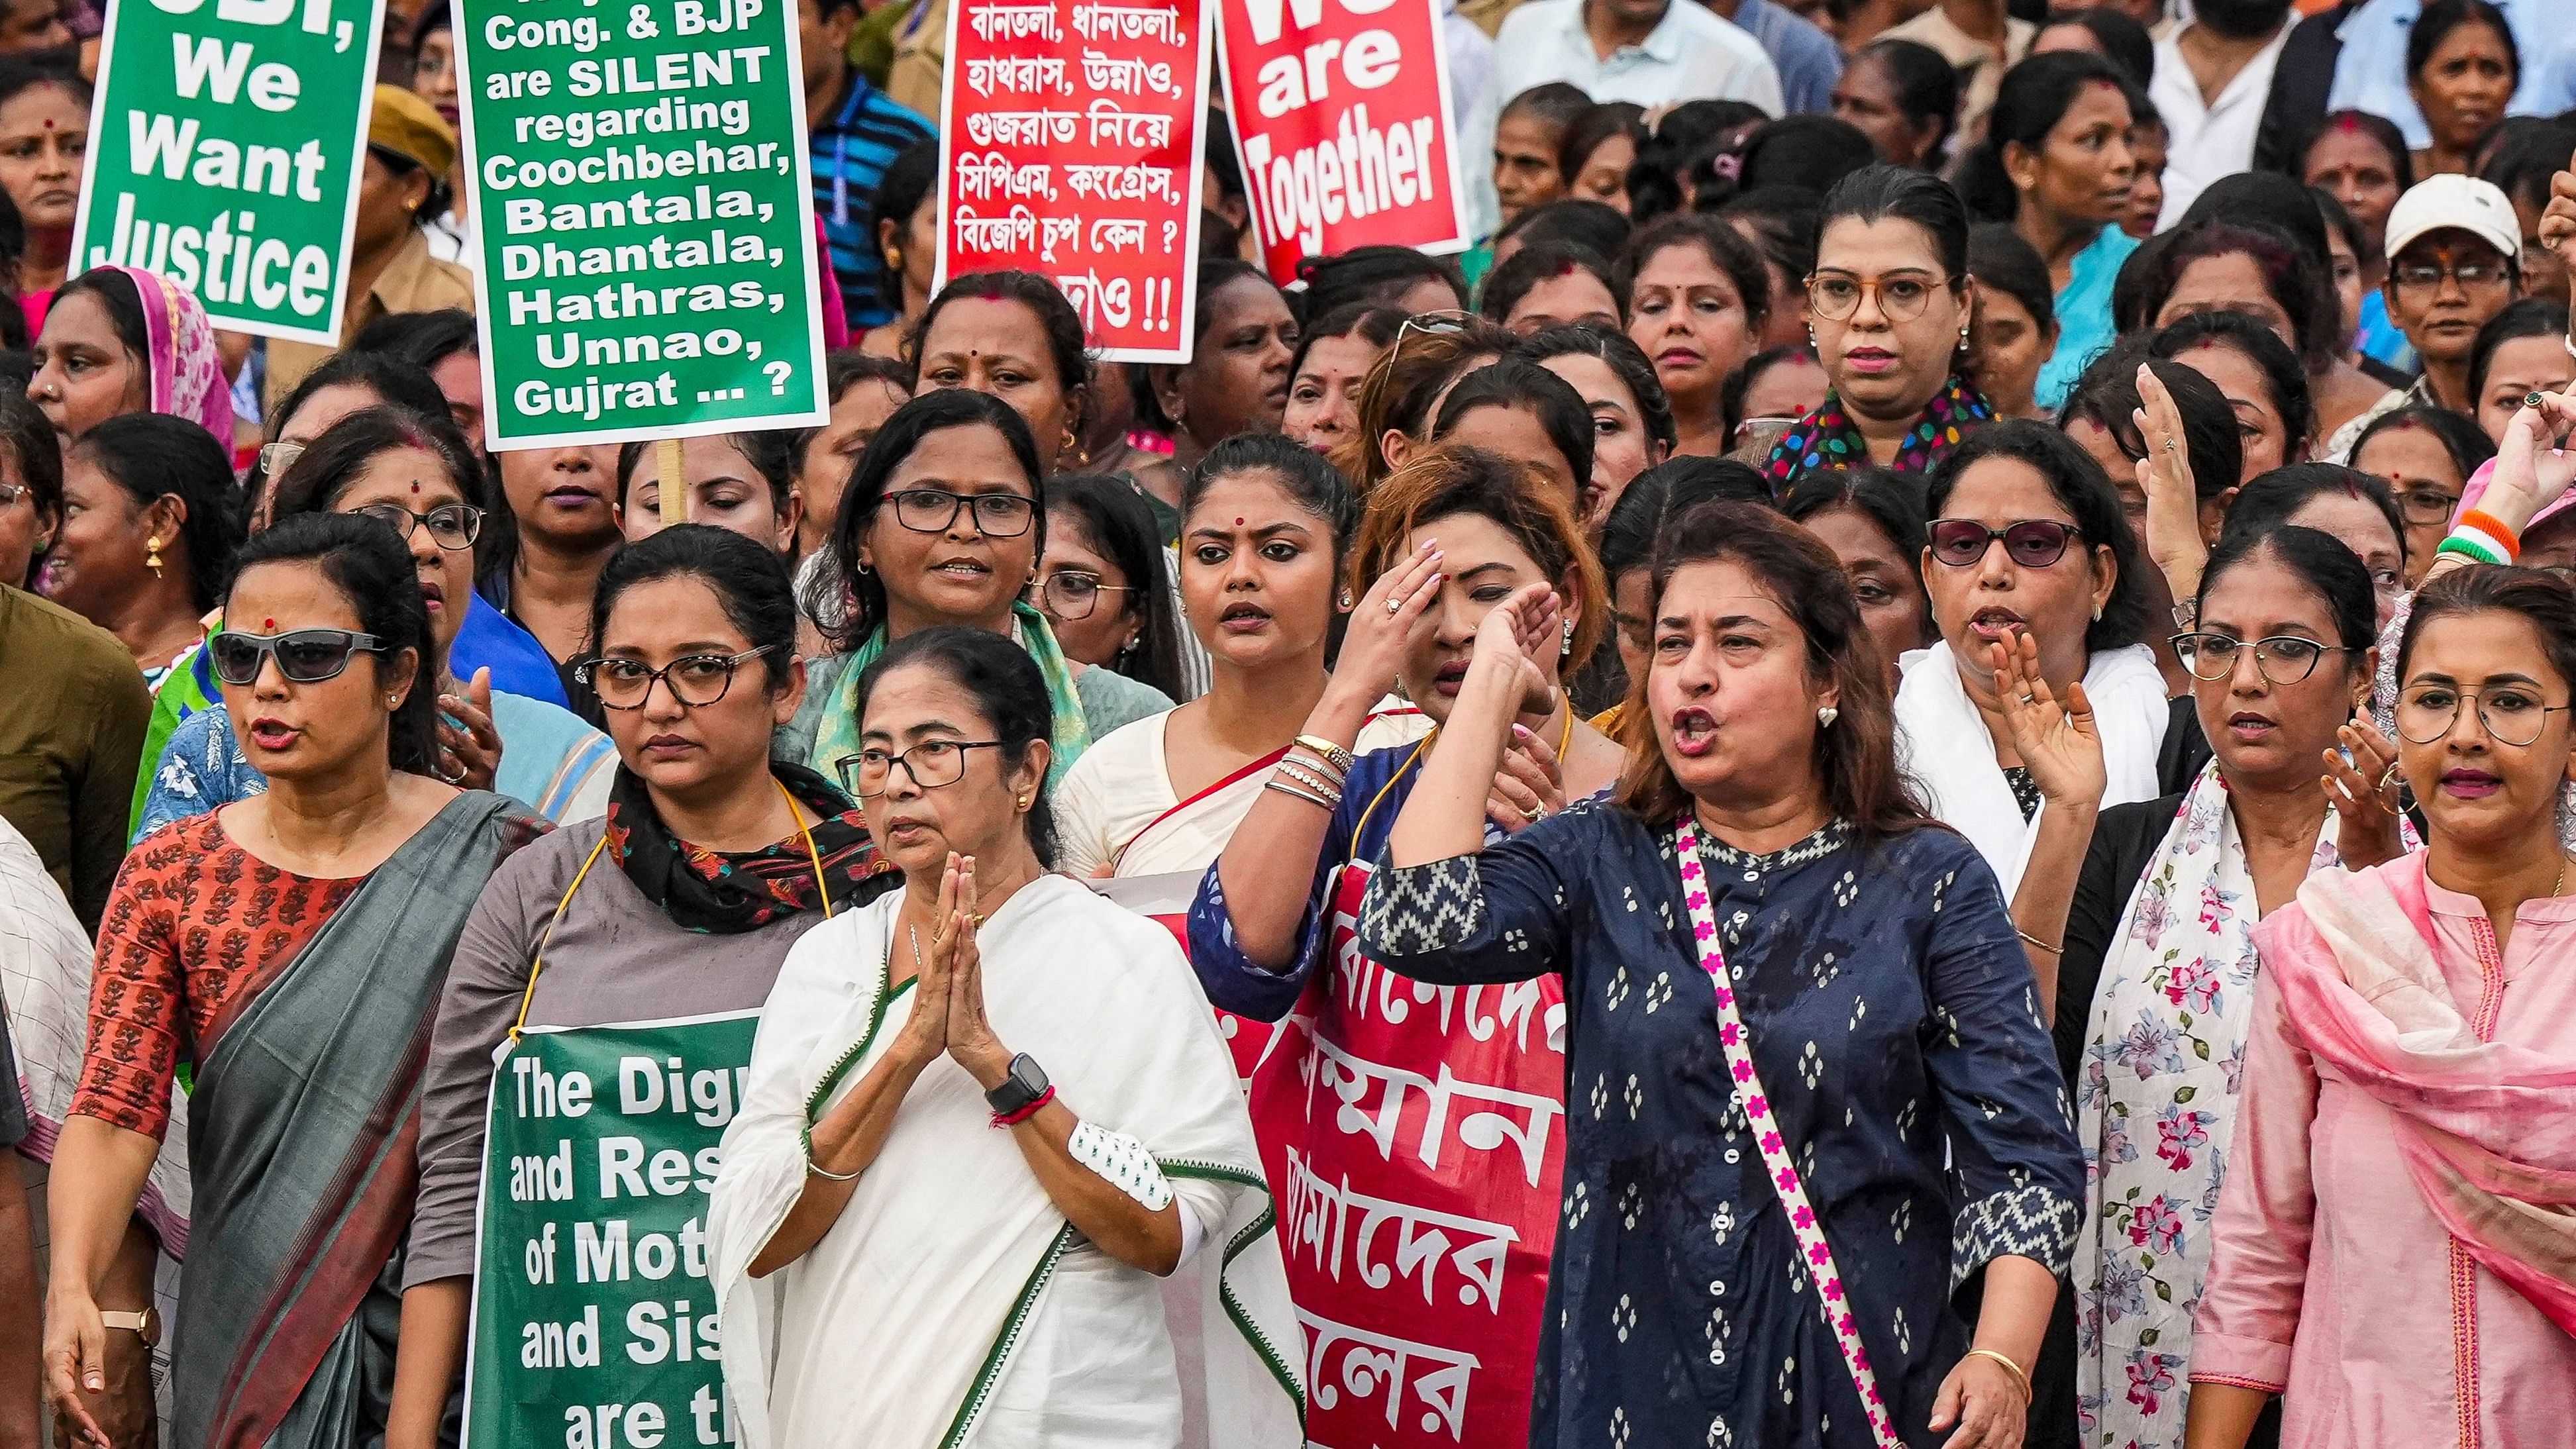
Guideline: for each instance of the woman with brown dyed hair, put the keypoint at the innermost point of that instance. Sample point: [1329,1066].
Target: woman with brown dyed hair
[1806,1060]
[1442,541]
[1405,388]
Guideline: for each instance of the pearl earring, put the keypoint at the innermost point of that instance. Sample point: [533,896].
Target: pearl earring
[1346,599]
[1826,716]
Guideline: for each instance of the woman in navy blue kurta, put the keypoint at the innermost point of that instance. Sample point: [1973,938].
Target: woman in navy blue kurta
[1887,1004]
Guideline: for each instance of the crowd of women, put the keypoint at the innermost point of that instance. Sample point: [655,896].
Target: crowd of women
[1303,896]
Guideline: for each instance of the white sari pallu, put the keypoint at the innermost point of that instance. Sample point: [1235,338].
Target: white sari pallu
[1942,742]
[952,1304]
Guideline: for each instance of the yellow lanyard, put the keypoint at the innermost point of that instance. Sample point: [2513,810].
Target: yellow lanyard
[539,963]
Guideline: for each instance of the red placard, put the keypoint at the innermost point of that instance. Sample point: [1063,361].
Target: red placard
[1341,116]
[1071,140]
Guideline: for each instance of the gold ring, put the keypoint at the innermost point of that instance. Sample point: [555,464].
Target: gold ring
[1533,814]
[2534,398]
[2388,779]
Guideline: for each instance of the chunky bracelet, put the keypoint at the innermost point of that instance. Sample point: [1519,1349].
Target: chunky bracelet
[1308,796]
[2475,550]
[1332,754]
[2020,1378]
[2479,521]
[1014,1119]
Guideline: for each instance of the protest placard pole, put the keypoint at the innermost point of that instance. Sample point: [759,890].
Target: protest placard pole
[1072,133]
[673,481]
[638,174]
[224,154]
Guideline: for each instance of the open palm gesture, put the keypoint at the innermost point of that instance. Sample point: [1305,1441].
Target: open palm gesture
[2057,741]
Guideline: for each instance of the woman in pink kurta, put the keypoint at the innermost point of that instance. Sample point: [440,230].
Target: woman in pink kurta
[2395,1243]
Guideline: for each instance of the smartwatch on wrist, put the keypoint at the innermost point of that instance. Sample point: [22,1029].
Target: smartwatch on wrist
[1026,1083]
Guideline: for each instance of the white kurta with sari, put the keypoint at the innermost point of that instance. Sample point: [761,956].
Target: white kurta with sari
[952,1304]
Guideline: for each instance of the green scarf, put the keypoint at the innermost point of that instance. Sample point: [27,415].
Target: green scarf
[838,735]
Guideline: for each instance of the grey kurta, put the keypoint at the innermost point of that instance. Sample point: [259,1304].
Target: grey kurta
[615,956]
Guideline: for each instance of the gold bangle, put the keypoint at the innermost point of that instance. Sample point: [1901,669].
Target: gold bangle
[2020,1378]
[2058,950]
[1332,754]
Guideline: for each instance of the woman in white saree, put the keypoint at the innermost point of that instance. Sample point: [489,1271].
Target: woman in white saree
[894,1272]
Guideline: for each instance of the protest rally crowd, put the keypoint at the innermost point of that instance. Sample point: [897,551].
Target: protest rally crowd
[887,728]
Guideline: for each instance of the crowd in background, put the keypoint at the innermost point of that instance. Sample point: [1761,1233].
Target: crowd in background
[1969,605]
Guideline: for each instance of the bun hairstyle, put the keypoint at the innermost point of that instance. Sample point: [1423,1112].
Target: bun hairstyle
[1006,688]
[1855,760]
[1927,89]
[1883,192]
[2036,94]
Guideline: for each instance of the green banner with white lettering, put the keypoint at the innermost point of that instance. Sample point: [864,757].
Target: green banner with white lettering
[223,153]
[638,172]
[594,1324]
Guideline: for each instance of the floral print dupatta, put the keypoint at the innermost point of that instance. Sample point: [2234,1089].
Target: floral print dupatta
[2155,1104]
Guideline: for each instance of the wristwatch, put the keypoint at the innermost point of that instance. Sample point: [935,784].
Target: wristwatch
[1026,1083]
[146,1324]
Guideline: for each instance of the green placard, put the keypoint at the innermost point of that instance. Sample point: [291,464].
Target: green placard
[594,1324]
[224,152]
[640,194]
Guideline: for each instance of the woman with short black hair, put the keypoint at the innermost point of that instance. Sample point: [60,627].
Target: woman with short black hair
[1904,96]
[1518,410]
[1102,583]
[2015,338]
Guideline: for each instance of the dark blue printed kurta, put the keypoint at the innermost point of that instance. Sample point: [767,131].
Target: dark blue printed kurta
[1894,1026]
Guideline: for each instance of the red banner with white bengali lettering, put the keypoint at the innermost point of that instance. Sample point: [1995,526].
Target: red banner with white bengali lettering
[1341,117]
[1071,138]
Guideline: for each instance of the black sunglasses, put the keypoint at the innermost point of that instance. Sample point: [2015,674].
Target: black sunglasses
[2033,543]
[304,656]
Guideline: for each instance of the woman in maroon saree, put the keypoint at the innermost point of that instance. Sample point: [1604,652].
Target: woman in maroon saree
[287,950]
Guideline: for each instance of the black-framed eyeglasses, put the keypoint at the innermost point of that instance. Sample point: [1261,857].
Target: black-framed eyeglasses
[931,764]
[2033,543]
[1835,296]
[2427,505]
[2427,712]
[2472,276]
[694,679]
[304,656]
[1070,596]
[2282,660]
[933,510]
[453,526]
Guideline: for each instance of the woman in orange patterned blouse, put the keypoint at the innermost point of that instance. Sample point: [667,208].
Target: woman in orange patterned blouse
[287,941]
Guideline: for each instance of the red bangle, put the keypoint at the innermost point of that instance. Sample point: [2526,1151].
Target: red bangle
[1025,1113]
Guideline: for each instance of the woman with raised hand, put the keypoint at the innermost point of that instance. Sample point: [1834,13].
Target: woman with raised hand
[1696,295]
[148,533]
[1808,1069]
[1891,303]
[2027,542]
[2056,164]
[1632,418]
[869,1212]
[1441,542]
[2259,376]
[2521,350]
[1262,541]
[680,904]
[2154,956]
[2427,456]
[293,937]
[944,522]
[2389,1249]
[414,474]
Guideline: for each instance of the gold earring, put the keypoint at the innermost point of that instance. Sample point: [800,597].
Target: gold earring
[1024,802]
[152,556]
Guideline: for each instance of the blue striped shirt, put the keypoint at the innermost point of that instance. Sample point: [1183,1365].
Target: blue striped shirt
[851,152]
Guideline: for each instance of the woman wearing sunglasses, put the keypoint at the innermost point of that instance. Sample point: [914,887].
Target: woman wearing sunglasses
[296,936]
[2390,1247]
[413,474]
[2154,997]
[2030,555]
[944,522]
[1889,308]
[713,860]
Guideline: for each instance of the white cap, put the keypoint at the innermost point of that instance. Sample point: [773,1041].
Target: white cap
[2465,202]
